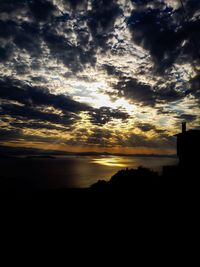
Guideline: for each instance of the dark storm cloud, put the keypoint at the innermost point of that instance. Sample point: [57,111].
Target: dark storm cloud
[45,21]
[76,4]
[21,68]
[112,70]
[99,137]
[23,36]
[104,13]
[191,6]
[195,86]
[31,103]
[187,117]
[138,140]
[145,94]
[27,37]
[74,57]
[105,114]
[30,34]
[161,30]
[9,6]
[101,20]
[18,135]
[58,37]
[146,127]
[168,94]
[8,29]
[39,79]
[158,28]
[36,125]
[25,112]
[38,138]
[138,92]
[22,31]
[4,54]
[42,10]
[33,96]
[96,136]
[11,134]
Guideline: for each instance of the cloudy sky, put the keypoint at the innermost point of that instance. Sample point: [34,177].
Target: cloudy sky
[98,75]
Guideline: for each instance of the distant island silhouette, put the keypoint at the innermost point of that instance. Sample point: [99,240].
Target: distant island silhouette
[15,152]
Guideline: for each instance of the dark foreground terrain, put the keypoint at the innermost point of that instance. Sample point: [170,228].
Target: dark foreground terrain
[138,206]
[134,185]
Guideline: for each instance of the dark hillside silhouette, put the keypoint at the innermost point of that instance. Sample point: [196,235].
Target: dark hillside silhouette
[186,173]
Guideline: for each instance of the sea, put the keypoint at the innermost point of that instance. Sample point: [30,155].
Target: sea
[73,171]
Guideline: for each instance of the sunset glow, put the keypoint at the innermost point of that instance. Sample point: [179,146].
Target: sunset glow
[107,76]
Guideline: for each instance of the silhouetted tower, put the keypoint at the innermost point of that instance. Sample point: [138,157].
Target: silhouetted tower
[188,147]
[183,127]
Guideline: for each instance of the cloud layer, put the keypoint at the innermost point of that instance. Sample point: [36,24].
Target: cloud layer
[101,74]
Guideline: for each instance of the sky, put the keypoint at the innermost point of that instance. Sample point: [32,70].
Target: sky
[99,75]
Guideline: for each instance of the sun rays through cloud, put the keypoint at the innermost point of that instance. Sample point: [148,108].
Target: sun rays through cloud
[117,75]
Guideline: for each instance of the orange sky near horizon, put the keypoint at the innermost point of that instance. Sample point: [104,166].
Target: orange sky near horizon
[114,76]
[80,149]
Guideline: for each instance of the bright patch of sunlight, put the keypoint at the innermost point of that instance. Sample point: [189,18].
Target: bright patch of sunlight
[110,161]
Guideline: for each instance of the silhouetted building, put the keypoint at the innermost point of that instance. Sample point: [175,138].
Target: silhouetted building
[188,147]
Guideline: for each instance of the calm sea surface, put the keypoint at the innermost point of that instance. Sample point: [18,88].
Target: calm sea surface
[74,171]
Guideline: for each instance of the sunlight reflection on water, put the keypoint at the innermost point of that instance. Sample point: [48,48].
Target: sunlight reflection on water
[73,171]
[110,161]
